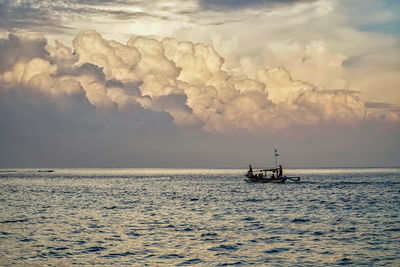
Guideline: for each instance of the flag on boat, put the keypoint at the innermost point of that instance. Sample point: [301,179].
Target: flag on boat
[276,153]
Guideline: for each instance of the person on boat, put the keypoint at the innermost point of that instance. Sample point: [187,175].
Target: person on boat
[280,171]
[250,172]
[260,175]
[273,175]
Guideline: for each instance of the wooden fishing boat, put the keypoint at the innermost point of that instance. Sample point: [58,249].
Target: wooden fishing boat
[274,175]
[266,175]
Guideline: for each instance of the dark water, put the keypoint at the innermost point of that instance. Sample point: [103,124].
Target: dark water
[204,217]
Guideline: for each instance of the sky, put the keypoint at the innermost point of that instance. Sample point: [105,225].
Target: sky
[199,83]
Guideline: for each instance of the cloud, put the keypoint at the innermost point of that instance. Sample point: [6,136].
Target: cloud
[62,18]
[28,15]
[67,130]
[168,103]
[316,42]
[288,69]
[237,4]
[44,131]
[182,79]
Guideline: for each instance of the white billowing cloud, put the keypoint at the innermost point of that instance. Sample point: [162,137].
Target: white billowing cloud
[117,60]
[313,62]
[199,62]
[280,83]
[328,43]
[32,72]
[142,61]
[183,79]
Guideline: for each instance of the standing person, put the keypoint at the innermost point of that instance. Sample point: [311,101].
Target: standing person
[250,172]
[280,171]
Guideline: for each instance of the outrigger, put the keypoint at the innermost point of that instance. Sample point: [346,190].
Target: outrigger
[274,175]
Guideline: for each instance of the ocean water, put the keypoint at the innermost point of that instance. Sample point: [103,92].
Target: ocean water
[199,217]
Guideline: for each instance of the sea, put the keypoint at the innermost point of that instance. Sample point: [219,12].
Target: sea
[204,217]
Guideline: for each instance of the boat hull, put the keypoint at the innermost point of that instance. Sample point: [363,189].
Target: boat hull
[255,179]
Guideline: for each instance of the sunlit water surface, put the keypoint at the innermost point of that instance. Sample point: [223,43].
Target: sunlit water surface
[198,216]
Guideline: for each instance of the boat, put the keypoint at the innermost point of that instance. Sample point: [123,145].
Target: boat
[45,170]
[266,175]
[272,175]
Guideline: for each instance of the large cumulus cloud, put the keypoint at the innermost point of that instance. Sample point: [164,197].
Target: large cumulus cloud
[168,103]
[182,79]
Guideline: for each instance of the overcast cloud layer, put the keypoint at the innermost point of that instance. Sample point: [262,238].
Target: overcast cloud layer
[160,101]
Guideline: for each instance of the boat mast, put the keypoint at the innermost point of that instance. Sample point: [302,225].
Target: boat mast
[276,162]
